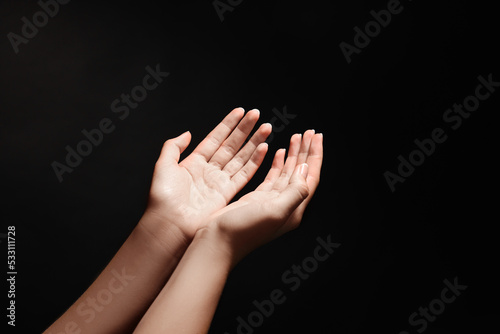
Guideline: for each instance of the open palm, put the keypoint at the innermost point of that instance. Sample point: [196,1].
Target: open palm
[273,198]
[278,203]
[186,193]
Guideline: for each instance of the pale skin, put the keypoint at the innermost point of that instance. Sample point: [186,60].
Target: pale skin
[188,217]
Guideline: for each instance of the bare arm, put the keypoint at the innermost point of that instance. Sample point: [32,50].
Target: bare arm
[182,197]
[124,290]
[188,301]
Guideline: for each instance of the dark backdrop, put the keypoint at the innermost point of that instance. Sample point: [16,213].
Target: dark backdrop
[396,248]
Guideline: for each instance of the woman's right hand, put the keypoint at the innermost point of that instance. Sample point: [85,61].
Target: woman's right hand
[276,206]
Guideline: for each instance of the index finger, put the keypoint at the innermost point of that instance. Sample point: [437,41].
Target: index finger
[216,137]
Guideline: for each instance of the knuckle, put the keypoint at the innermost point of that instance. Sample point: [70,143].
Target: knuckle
[167,144]
[302,190]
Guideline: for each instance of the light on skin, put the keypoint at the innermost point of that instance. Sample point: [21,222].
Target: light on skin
[188,217]
[188,301]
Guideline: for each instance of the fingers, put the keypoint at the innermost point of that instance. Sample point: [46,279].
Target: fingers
[303,149]
[231,145]
[243,156]
[314,160]
[295,192]
[216,137]
[173,148]
[241,178]
[311,152]
[291,161]
[304,146]
[274,172]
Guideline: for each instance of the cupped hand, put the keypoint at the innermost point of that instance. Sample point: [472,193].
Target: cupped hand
[184,194]
[277,205]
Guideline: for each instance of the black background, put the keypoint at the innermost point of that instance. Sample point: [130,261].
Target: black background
[397,248]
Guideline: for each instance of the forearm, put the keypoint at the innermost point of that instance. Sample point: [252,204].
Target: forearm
[122,293]
[188,301]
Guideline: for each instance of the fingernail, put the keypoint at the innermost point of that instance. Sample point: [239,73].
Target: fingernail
[303,169]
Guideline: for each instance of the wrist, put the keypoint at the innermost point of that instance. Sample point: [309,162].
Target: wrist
[164,237]
[218,243]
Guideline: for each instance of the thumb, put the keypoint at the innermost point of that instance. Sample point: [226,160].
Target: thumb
[172,149]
